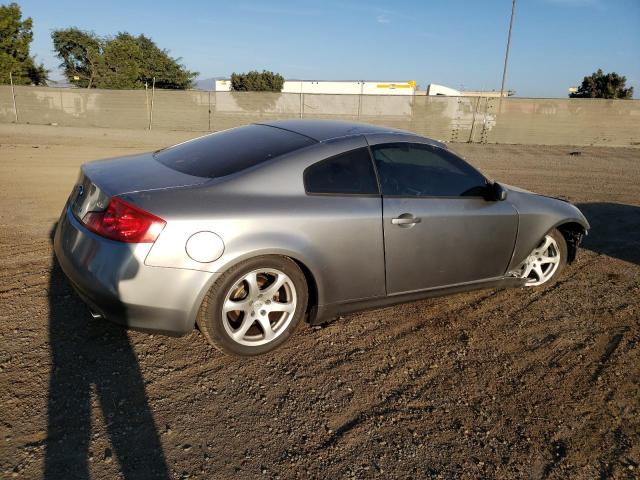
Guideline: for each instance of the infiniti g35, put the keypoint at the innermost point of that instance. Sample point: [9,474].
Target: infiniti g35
[249,231]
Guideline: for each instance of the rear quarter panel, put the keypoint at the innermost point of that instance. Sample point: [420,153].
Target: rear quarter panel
[265,210]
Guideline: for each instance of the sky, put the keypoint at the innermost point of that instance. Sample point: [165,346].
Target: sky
[460,44]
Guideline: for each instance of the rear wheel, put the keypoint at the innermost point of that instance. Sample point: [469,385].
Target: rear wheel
[545,263]
[255,306]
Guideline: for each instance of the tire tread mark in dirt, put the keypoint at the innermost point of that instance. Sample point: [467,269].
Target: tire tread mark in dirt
[611,347]
[376,410]
[19,291]
[360,418]
[542,343]
[542,294]
[418,326]
[347,356]
[621,444]
[425,322]
[410,329]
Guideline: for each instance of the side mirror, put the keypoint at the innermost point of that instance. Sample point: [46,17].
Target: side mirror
[498,191]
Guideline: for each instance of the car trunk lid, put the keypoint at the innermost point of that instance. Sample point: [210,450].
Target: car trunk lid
[134,174]
[103,179]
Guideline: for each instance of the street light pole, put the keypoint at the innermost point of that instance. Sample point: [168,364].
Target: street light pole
[506,54]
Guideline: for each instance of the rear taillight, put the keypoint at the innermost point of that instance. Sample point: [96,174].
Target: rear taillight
[124,222]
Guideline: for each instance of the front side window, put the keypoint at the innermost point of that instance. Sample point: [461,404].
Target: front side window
[349,173]
[413,169]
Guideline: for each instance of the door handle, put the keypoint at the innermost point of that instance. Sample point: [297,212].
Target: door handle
[405,220]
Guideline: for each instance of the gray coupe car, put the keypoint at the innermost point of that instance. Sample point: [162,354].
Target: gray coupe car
[248,231]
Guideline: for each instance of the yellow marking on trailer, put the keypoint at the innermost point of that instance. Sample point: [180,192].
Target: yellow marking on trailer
[393,85]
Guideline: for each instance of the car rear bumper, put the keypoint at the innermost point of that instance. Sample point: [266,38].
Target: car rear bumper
[113,280]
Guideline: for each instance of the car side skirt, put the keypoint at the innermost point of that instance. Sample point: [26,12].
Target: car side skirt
[321,314]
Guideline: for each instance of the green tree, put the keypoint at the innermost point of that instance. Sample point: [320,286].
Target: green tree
[601,85]
[81,55]
[254,81]
[120,62]
[15,39]
[168,71]
[121,65]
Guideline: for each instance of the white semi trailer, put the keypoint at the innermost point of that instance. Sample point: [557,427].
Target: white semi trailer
[338,87]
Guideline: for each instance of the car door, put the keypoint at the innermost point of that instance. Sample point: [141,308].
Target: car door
[343,218]
[439,227]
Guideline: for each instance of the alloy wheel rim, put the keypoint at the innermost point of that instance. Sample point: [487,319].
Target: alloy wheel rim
[259,307]
[542,263]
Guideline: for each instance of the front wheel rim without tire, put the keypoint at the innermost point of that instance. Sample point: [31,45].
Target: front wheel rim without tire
[542,263]
[259,307]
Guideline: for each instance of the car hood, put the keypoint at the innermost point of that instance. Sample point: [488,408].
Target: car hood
[516,189]
[522,190]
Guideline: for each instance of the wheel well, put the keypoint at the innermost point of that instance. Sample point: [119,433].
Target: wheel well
[312,285]
[572,233]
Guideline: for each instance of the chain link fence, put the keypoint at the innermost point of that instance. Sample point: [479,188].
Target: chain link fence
[452,119]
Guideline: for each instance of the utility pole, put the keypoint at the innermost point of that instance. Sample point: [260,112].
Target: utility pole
[506,54]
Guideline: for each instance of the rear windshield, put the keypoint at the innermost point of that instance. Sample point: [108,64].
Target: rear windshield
[230,151]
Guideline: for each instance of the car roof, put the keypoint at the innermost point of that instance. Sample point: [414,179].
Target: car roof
[323,130]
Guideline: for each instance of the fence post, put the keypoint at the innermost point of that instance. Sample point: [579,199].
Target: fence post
[209,115]
[473,120]
[213,110]
[153,92]
[13,94]
[146,99]
[484,134]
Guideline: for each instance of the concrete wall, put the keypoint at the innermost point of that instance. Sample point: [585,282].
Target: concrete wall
[453,119]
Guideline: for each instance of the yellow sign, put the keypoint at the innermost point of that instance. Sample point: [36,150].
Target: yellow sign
[76,77]
[394,85]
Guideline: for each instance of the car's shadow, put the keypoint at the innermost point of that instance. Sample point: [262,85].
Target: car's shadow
[89,355]
[615,230]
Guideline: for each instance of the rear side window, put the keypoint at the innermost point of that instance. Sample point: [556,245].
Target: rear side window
[349,173]
[231,151]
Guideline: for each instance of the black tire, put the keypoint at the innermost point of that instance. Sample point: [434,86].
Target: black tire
[210,320]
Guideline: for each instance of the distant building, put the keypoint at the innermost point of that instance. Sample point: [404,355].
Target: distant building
[487,93]
[338,87]
[435,89]
[357,87]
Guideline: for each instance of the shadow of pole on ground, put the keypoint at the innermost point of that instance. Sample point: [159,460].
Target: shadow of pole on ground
[87,353]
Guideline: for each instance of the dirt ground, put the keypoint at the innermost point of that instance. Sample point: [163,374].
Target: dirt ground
[525,383]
